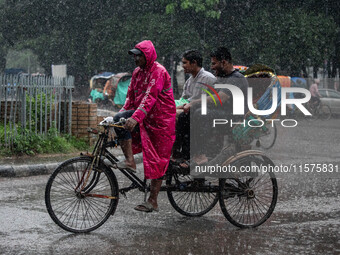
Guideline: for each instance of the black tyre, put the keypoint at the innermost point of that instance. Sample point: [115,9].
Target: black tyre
[248,199]
[191,203]
[267,140]
[325,112]
[314,111]
[79,199]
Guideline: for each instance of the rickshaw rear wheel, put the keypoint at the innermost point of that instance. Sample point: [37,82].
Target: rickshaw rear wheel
[248,199]
[189,203]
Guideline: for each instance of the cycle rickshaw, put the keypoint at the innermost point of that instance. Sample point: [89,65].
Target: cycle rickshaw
[83,192]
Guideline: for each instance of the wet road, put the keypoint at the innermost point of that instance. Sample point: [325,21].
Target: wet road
[306,219]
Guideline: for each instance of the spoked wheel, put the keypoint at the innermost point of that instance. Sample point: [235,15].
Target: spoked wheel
[79,197]
[267,139]
[190,199]
[249,199]
[314,111]
[325,112]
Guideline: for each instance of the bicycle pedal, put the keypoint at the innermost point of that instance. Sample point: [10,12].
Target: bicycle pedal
[108,163]
[123,194]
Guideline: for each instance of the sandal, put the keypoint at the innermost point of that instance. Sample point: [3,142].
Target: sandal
[146,207]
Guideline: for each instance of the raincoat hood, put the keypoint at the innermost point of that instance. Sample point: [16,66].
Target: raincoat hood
[149,51]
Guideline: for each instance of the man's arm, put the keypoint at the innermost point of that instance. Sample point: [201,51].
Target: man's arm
[153,90]
[317,92]
[204,81]
[224,98]
[185,88]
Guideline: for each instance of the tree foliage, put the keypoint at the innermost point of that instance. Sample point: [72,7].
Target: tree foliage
[210,8]
[90,36]
[287,39]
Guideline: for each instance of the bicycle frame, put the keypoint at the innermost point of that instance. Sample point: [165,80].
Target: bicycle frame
[101,152]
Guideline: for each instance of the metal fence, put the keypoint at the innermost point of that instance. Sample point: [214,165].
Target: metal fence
[34,104]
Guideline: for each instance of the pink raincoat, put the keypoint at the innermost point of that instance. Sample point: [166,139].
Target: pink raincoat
[150,94]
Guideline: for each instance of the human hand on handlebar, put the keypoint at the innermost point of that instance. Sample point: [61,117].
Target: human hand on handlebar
[186,107]
[130,124]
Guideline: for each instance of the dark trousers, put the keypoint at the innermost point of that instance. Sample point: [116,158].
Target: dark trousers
[206,139]
[122,133]
[182,143]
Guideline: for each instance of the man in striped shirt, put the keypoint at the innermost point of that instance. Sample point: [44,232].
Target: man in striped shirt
[192,90]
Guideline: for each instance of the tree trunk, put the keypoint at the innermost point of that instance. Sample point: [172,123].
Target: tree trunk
[3,54]
[315,72]
[174,80]
[304,72]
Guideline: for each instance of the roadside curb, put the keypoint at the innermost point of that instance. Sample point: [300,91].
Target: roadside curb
[42,169]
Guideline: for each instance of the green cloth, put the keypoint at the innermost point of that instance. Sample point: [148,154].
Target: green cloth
[246,134]
[181,101]
[120,95]
[96,95]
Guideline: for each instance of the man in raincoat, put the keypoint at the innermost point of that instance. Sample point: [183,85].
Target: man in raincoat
[150,111]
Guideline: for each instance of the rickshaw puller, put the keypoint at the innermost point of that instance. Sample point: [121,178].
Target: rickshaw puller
[150,104]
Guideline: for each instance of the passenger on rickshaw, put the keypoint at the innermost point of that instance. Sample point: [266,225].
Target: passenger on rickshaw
[192,90]
[221,64]
[151,116]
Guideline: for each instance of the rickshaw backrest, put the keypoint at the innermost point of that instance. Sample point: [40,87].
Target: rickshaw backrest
[262,83]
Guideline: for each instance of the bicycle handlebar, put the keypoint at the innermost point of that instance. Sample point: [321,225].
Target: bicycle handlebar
[108,122]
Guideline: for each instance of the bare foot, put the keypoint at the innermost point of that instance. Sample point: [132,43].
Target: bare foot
[200,159]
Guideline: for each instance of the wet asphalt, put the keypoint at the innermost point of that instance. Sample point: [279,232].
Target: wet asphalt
[306,219]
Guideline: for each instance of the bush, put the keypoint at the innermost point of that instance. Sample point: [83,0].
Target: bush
[30,143]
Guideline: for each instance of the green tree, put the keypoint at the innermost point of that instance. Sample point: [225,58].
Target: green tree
[210,8]
[287,40]
[91,35]
[110,50]
[286,34]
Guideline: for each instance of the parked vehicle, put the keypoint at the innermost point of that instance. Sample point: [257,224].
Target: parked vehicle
[263,79]
[331,98]
[109,89]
